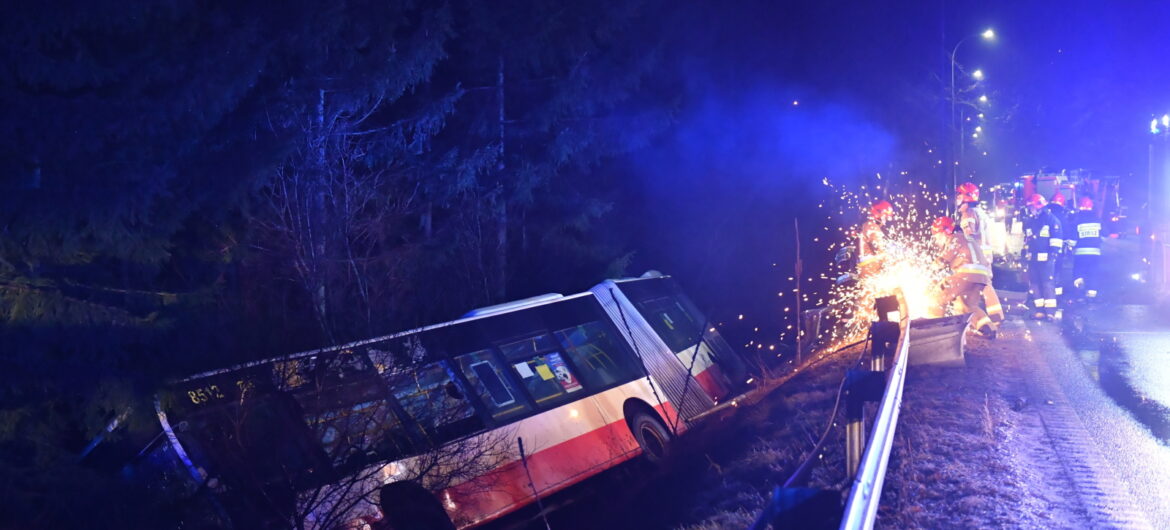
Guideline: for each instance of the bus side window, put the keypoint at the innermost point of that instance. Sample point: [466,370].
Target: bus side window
[424,393]
[351,434]
[343,403]
[671,321]
[495,390]
[599,360]
[547,377]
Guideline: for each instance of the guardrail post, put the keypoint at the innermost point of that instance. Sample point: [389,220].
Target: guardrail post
[854,428]
[883,337]
[862,386]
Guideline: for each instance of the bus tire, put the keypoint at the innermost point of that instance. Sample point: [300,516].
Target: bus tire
[652,436]
[406,506]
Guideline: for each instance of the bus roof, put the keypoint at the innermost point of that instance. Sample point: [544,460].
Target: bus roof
[477,314]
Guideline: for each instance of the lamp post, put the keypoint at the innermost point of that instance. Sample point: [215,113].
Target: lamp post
[988,35]
[1158,202]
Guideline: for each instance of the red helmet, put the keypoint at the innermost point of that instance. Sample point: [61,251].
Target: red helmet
[943,224]
[881,210]
[967,192]
[1085,203]
[1037,201]
[1057,198]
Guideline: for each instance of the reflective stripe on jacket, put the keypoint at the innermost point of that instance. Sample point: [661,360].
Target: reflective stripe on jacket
[1087,226]
[963,257]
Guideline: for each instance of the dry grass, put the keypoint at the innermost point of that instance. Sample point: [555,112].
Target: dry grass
[773,439]
[727,520]
[947,469]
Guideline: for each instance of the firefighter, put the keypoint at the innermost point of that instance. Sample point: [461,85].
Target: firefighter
[1056,205]
[872,239]
[976,226]
[1038,233]
[973,219]
[968,274]
[1085,240]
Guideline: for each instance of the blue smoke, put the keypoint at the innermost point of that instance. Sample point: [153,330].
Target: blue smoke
[720,190]
[761,140]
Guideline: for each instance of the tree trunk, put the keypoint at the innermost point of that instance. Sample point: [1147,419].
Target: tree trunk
[426,221]
[502,249]
[501,210]
[317,232]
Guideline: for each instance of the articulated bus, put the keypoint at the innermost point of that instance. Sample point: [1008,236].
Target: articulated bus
[453,424]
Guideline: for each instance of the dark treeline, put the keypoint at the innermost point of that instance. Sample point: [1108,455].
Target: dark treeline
[190,184]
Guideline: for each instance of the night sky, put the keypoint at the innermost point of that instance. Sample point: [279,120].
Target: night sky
[1071,85]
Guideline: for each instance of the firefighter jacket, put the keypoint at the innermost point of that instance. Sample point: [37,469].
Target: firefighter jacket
[1056,243]
[1085,233]
[965,259]
[871,244]
[976,225]
[1039,232]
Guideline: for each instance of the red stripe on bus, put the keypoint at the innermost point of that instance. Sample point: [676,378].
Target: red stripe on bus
[709,381]
[506,489]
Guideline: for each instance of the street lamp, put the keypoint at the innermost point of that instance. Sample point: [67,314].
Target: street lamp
[983,98]
[988,35]
[977,74]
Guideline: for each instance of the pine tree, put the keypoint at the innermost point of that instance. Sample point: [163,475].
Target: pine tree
[333,212]
[551,91]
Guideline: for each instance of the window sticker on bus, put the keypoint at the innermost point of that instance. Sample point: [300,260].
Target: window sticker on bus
[563,375]
[523,370]
[499,393]
[544,372]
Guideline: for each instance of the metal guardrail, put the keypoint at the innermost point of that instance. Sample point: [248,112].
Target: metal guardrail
[862,504]
[793,504]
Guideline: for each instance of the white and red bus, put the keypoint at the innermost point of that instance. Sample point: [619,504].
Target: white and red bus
[423,428]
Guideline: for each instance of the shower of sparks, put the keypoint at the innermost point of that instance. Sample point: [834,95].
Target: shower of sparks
[909,263]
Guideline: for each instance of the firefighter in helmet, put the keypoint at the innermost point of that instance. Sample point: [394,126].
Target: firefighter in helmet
[968,274]
[1039,230]
[976,226]
[872,239]
[1085,240]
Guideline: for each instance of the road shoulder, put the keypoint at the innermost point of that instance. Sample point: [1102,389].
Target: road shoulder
[997,443]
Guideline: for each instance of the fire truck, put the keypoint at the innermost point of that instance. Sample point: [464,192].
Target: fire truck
[1007,204]
[1008,199]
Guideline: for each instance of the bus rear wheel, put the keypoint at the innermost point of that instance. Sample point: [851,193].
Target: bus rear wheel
[406,506]
[651,435]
